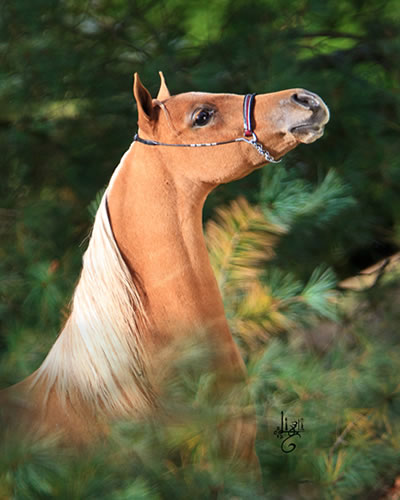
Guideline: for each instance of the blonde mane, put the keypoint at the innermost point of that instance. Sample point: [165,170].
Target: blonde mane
[100,356]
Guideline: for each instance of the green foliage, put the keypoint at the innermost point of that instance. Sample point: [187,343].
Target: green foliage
[260,297]
[318,291]
[348,396]
[287,200]
[314,215]
[349,399]
[66,117]
[94,204]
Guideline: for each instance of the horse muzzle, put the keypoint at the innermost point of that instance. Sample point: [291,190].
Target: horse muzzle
[311,128]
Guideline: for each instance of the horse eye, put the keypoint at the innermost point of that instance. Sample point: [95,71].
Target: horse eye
[203,117]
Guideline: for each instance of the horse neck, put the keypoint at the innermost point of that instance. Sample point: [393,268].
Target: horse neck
[156,219]
[156,224]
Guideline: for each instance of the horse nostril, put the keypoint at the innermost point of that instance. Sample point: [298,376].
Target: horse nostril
[306,100]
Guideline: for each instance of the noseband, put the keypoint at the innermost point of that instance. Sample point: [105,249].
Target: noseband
[248,105]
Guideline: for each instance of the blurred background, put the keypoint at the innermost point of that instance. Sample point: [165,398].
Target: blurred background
[330,210]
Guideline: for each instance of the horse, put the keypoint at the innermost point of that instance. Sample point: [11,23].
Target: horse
[146,281]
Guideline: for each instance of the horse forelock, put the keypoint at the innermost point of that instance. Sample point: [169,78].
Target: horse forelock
[100,355]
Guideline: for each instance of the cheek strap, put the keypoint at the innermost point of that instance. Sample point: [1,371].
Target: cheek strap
[248,105]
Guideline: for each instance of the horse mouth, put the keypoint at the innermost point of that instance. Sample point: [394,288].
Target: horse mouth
[308,132]
[312,128]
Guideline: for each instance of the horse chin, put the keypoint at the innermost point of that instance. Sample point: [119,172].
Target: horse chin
[306,134]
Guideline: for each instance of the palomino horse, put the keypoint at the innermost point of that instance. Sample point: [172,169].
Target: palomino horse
[146,279]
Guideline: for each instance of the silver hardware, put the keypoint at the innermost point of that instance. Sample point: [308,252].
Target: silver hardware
[259,147]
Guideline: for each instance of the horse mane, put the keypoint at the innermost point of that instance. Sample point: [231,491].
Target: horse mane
[100,356]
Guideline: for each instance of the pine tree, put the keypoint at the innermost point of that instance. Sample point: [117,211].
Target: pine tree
[347,395]
[66,116]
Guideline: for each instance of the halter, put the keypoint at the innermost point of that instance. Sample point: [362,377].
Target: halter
[248,105]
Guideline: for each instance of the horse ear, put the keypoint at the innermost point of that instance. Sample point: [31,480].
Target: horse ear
[163,93]
[143,99]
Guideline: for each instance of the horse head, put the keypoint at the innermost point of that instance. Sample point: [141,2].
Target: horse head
[279,122]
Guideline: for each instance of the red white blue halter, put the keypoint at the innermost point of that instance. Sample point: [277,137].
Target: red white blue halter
[248,105]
